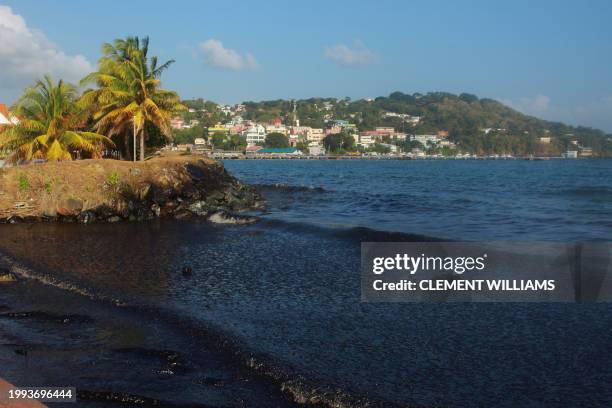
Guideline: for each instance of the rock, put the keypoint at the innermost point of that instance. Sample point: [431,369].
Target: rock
[223,217]
[143,192]
[66,212]
[181,215]
[86,217]
[6,276]
[156,210]
[199,208]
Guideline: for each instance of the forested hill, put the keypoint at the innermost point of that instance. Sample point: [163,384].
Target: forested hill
[480,125]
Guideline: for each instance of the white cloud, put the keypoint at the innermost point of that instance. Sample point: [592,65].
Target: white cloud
[26,55]
[344,55]
[536,105]
[219,56]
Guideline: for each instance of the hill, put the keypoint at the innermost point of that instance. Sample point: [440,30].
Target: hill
[477,125]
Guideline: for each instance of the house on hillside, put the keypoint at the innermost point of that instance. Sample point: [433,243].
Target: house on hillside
[5,116]
[255,134]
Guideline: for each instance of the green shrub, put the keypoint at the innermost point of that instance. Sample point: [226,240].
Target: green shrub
[112,179]
[24,184]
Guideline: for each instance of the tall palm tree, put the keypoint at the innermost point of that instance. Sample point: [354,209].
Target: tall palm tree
[128,93]
[50,125]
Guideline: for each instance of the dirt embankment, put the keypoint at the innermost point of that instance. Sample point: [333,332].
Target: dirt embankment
[109,190]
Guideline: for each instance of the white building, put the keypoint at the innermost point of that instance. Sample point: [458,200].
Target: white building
[315,149]
[255,134]
[391,147]
[367,140]
[425,139]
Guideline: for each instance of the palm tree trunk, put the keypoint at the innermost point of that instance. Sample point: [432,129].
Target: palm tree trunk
[127,146]
[142,144]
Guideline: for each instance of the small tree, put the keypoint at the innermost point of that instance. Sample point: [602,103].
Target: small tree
[333,142]
[277,140]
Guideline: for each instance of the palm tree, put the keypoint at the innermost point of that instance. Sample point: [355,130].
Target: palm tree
[128,95]
[50,125]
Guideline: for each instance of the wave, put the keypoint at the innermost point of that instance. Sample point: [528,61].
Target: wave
[289,188]
[24,272]
[585,191]
[352,233]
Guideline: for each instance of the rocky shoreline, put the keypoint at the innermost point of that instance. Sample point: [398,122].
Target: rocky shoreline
[87,191]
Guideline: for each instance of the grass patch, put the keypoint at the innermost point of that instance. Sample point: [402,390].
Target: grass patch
[113,179]
[23,183]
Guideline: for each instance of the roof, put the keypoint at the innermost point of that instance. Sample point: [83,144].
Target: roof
[286,150]
[5,118]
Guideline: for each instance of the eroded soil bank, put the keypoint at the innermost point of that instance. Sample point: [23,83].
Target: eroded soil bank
[105,190]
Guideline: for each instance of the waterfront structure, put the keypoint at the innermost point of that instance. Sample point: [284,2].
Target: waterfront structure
[570,154]
[250,150]
[315,149]
[280,152]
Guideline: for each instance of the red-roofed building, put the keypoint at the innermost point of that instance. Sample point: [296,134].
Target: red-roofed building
[5,116]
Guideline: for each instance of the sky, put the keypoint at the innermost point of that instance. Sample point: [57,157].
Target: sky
[550,59]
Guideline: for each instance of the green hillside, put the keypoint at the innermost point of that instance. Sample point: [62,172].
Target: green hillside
[464,116]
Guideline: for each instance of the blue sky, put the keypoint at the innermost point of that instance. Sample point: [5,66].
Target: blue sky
[551,59]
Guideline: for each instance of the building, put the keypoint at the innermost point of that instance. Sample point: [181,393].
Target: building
[570,154]
[367,140]
[255,134]
[177,123]
[425,139]
[545,140]
[217,129]
[5,116]
[392,148]
[385,130]
[200,145]
[315,135]
[292,151]
[277,128]
[586,152]
[315,149]
[333,129]
[253,149]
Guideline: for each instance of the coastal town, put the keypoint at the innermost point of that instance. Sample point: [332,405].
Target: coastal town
[237,138]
